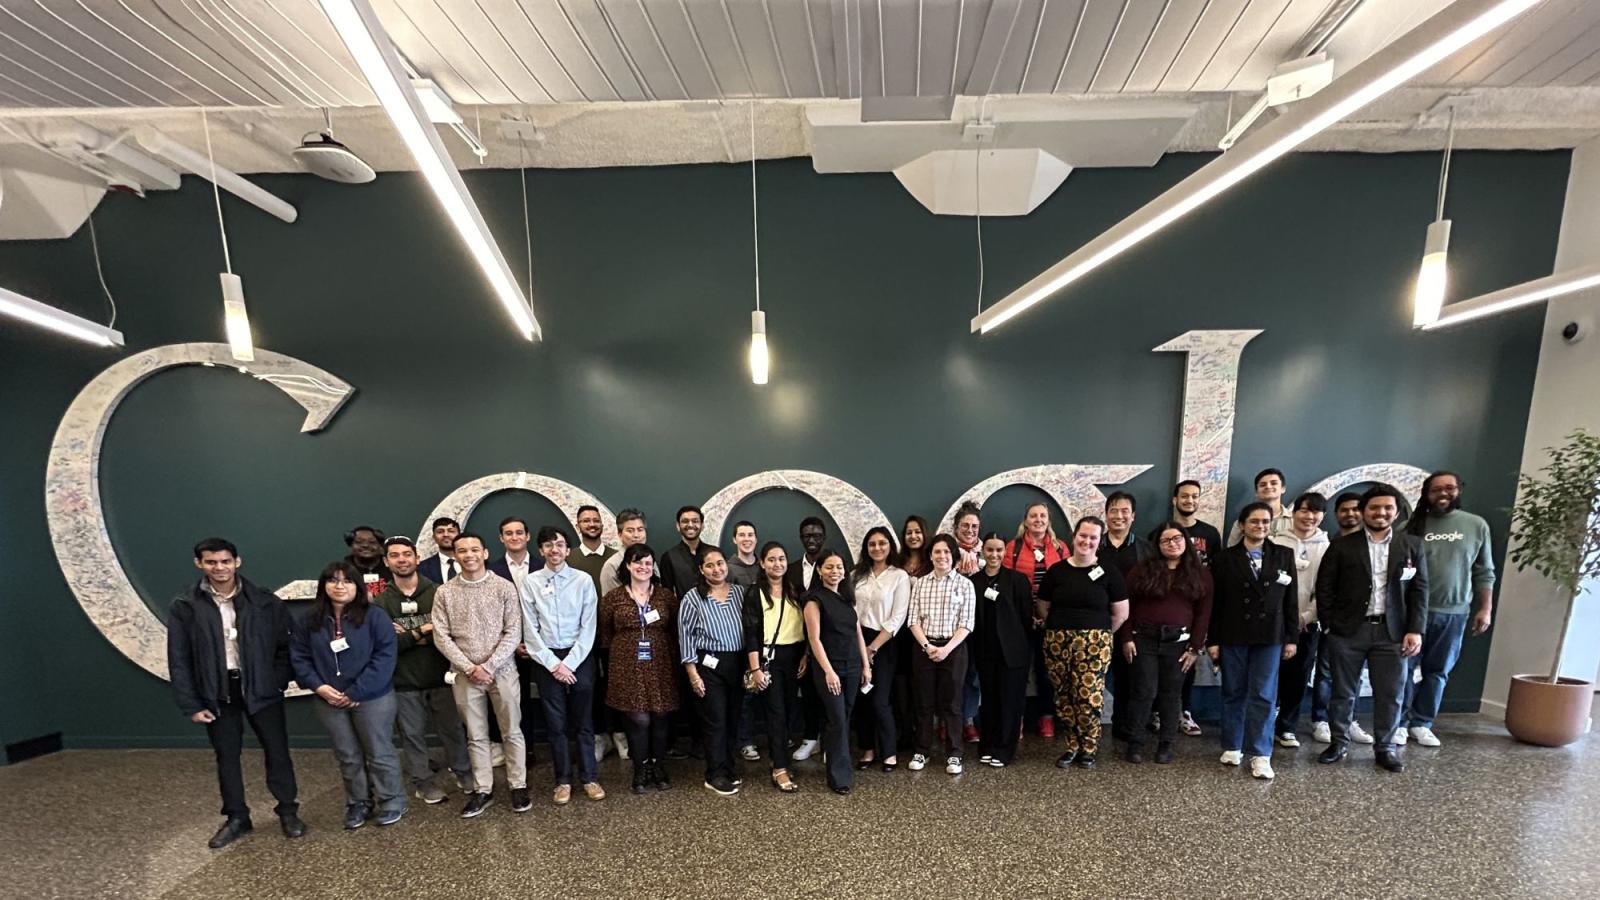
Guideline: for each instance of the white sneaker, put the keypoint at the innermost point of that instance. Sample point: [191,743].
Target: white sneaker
[1288,739]
[917,763]
[805,750]
[497,755]
[1261,767]
[1188,725]
[749,752]
[1321,733]
[952,765]
[1358,734]
[621,740]
[1424,736]
[1232,757]
[1400,737]
[602,746]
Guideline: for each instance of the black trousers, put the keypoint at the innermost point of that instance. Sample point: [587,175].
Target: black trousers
[719,712]
[1123,724]
[875,725]
[1157,681]
[1005,693]
[940,690]
[810,708]
[227,739]
[836,712]
[647,737]
[905,700]
[780,699]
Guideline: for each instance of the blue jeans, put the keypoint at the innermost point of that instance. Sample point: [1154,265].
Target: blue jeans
[1249,694]
[1441,647]
[973,697]
[363,745]
[568,712]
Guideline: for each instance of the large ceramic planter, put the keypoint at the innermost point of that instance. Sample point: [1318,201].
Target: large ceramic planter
[1549,715]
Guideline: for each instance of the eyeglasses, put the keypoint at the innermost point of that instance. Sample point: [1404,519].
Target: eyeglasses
[1175,539]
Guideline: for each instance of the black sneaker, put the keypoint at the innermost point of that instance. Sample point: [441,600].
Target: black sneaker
[355,815]
[1066,759]
[659,775]
[641,776]
[1164,753]
[231,830]
[476,804]
[520,800]
[722,785]
[1135,754]
[1085,761]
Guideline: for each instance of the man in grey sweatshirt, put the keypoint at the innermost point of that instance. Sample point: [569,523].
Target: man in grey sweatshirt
[1460,559]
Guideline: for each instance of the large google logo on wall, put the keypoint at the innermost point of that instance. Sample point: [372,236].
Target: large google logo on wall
[95,574]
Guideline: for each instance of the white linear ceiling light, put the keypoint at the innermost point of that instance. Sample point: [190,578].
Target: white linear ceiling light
[358,26]
[1410,55]
[29,310]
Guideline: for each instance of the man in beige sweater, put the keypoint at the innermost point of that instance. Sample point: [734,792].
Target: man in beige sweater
[477,624]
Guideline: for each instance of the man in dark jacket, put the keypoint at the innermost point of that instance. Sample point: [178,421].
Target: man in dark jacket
[228,655]
[1372,600]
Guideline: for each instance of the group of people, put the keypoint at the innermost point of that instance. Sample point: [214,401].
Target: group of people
[924,644]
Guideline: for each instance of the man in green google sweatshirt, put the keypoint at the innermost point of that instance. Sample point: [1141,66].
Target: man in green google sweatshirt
[1460,559]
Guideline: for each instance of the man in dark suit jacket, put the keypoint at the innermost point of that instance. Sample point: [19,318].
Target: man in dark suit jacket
[441,566]
[1378,620]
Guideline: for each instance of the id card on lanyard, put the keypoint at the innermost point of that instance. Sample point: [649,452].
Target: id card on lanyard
[643,650]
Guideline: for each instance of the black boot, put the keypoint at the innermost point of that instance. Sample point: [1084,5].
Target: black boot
[641,775]
[659,775]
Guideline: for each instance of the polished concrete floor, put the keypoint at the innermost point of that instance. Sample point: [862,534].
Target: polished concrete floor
[1480,817]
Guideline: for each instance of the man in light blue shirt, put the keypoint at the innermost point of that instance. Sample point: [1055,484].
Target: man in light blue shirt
[559,610]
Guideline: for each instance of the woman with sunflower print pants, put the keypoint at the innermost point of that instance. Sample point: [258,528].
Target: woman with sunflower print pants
[1082,604]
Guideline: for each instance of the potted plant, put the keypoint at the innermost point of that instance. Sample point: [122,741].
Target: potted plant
[1555,531]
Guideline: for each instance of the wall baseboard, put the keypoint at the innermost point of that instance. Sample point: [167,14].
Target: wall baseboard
[33,747]
[1494,709]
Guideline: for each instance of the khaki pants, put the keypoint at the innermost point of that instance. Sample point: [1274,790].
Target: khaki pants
[472,702]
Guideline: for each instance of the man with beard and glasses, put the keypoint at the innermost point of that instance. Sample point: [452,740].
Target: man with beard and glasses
[1460,558]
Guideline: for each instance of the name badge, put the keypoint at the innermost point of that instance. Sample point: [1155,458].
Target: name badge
[644,652]
[651,617]
[233,633]
[549,588]
[1096,573]
[991,592]
[1408,573]
[1283,577]
[339,645]
[450,677]
[370,578]
[866,688]
[709,661]
[1038,555]
[408,607]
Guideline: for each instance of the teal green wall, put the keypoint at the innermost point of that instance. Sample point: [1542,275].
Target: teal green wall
[639,392]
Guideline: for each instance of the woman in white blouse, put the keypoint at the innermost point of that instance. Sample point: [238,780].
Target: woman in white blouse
[882,592]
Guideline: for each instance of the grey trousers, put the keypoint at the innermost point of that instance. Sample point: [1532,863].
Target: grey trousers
[472,703]
[363,745]
[417,713]
[1372,645]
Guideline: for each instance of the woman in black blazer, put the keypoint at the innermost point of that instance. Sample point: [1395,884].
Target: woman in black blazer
[1255,623]
[1003,650]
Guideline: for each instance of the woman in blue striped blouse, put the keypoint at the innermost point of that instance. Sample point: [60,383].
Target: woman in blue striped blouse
[711,635]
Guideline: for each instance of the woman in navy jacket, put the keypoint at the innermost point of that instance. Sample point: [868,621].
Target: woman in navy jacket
[344,652]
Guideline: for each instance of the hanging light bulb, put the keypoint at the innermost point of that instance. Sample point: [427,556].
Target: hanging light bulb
[1433,277]
[235,320]
[759,361]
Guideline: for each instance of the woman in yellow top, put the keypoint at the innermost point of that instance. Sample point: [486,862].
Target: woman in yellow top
[775,636]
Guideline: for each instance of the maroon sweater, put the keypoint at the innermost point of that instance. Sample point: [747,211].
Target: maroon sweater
[1172,609]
